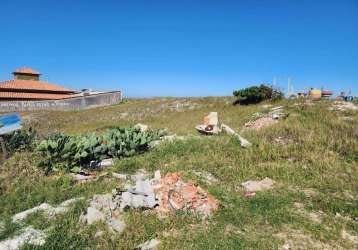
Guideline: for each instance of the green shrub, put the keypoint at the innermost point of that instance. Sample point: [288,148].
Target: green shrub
[256,94]
[20,140]
[66,152]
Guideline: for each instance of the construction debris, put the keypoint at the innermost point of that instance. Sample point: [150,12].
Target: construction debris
[28,236]
[141,174]
[149,245]
[49,210]
[343,106]
[211,127]
[119,176]
[165,194]
[140,196]
[264,120]
[83,177]
[211,124]
[103,209]
[243,142]
[175,194]
[257,186]
[167,138]
[102,164]
[141,127]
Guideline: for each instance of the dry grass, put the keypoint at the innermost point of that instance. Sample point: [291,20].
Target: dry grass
[321,155]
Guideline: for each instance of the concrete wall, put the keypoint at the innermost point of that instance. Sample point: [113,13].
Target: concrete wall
[75,103]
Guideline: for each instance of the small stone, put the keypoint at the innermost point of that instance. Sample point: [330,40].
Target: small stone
[116,225]
[106,163]
[80,177]
[93,215]
[103,202]
[150,244]
[256,186]
[286,247]
[99,234]
[141,127]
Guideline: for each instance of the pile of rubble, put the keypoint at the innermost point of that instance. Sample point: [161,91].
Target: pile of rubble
[164,194]
[175,194]
[264,120]
[211,126]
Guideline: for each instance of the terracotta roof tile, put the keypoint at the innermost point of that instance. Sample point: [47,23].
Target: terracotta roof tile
[32,85]
[35,96]
[26,70]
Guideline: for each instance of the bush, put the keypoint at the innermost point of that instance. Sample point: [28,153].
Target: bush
[256,94]
[66,152]
[20,140]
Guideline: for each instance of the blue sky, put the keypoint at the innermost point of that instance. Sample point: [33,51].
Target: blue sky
[182,48]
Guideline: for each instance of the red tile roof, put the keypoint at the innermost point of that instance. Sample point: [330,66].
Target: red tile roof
[35,96]
[26,70]
[33,86]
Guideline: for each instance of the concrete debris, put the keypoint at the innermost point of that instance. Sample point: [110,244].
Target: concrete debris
[343,106]
[149,245]
[164,193]
[103,209]
[49,210]
[211,119]
[277,108]
[28,236]
[141,196]
[103,202]
[211,124]
[93,215]
[257,186]
[211,127]
[99,234]
[141,174]
[264,120]
[119,176]
[167,138]
[102,164]
[175,194]
[141,127]
[116,225]
[83,177]
[243,142]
